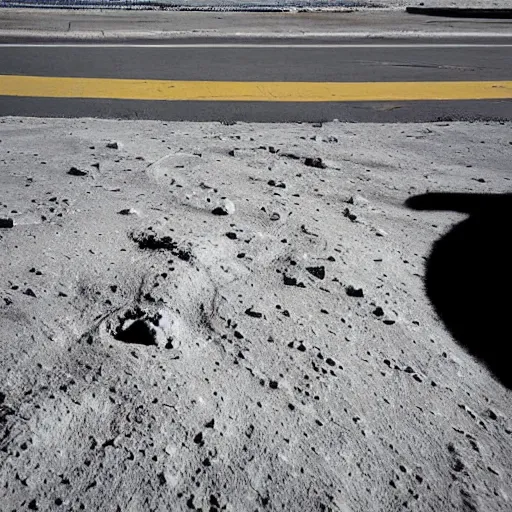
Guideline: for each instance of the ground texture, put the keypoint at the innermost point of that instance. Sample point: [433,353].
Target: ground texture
[212,317]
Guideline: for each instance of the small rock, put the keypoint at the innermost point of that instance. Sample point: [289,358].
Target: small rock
[275,216]
[349,215]
[113,145]
[291,281]
[491,414]
[29,292]
[252,313]
[315,162]
[76,172]
[378,311]
[6,223]
[231,236]
[318,272]
[231,153]
[354,292]
[127,211]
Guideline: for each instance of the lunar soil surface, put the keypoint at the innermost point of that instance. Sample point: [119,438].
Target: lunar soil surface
[234,317]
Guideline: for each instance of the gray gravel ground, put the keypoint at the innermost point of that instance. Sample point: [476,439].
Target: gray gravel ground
[211,317]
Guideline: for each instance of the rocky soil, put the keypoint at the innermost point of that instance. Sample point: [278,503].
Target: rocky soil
[213,317]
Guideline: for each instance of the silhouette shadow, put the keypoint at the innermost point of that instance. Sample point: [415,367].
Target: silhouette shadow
[468,276]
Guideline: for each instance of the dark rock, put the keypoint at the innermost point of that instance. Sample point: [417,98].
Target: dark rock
[315,162]
[219,211]
[29,292]
[318,272]
[76,172]
[6,223]
[272,384]
[148,241]
[354,292]
[291,281]
[231,236]
[252,313]
[491,414]
[113,145]
[232,153]
[378,311]
[350,216]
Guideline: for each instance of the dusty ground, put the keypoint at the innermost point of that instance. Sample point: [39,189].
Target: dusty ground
[475,4]
[199,318]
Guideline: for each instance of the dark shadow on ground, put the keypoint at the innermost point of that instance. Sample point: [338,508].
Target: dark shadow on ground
[469,275]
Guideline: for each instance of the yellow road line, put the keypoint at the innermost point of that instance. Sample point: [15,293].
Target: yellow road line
[178,90]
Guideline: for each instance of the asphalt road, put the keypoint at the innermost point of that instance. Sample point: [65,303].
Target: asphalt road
[320,60]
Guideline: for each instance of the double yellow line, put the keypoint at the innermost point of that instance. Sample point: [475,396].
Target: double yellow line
[181,90]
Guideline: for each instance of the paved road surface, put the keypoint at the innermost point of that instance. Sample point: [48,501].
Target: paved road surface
[235,79]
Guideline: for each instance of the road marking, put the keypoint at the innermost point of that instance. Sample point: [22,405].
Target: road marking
[253,45]
[178,90]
